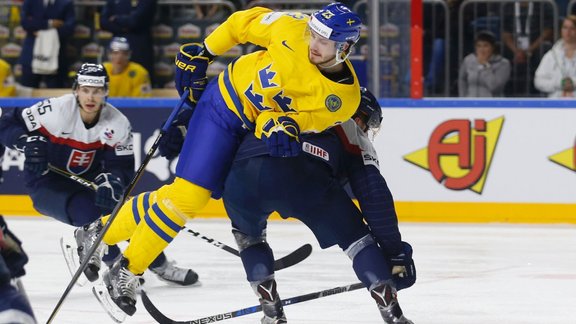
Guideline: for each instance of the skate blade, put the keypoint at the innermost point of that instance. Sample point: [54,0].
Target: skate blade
[72,260]
[101,293]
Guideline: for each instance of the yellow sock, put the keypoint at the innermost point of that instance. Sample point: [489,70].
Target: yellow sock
[128,218]
[175,203]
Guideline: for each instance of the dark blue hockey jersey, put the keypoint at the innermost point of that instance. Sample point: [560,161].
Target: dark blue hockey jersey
[352,158]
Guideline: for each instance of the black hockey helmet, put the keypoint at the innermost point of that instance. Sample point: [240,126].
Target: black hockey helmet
[369,110]
[91,74]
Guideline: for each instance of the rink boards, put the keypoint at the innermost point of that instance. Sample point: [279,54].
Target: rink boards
[444,160]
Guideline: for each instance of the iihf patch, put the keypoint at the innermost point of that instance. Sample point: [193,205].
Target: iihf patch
[333,102]
[316,151]
[132,73]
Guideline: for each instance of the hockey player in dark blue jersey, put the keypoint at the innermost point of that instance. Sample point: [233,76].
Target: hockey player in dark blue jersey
[84,135]
[309,188]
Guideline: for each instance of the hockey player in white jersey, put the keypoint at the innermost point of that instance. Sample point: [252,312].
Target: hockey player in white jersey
[84,135]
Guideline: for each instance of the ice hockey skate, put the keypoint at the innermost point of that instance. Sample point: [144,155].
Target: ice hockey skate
[386,298]
[270,301]
[103,296]
[121,285]
[169,272]
[69,250]
[85,238]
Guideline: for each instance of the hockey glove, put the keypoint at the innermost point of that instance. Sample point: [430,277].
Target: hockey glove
[403,268]
[11,250]
[190,71]
[282,136]
[36,152]
[108,193]
[171,142]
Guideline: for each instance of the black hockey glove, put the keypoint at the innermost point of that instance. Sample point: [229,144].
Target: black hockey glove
[109,192]
[171,143]
[403,268]
[36,152]
[191,67]
[282,136]
[11,249]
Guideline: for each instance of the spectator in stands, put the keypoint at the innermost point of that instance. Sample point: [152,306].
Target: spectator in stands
[7,85]
[39,18]
[527,33]
[133,20]
[127,79]
[556,74]
[483,73]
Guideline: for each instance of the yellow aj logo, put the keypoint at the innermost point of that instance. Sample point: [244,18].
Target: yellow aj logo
[459,153]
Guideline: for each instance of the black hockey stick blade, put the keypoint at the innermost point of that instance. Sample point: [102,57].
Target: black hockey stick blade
[289,260]
[163,319]
[294,257]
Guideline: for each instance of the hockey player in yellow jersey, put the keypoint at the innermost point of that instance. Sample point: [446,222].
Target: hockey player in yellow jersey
[302,82]
[127,78]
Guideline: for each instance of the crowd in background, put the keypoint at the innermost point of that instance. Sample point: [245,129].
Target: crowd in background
[491,49]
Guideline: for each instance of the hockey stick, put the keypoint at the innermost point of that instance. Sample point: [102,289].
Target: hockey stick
[84,182]
[289,260]
[119,204]
[163,319]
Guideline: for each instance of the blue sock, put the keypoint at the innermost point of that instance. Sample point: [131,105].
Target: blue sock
[258,261]
[370,265]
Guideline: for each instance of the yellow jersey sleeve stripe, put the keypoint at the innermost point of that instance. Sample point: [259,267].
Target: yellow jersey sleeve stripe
[235,99]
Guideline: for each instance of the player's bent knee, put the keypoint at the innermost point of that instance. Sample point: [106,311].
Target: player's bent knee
[245,241]
[359,245]
[183,197]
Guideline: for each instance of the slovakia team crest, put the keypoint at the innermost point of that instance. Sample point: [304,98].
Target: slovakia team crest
[80,161]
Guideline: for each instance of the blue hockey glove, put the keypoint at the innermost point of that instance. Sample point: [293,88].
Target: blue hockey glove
[403,268]
[190,71]
[171,142]
[282,136]
[36,152]
[11,251]
[109,192]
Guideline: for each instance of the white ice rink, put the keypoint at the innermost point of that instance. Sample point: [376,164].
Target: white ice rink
[467,274]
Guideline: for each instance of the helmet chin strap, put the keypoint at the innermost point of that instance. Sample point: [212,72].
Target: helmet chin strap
[341,55]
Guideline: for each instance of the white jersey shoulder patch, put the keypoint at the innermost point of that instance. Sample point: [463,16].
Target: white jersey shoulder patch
[271,17]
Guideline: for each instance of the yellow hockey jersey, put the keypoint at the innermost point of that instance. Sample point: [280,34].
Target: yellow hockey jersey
[134,81]
[280,80]
[7,85]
